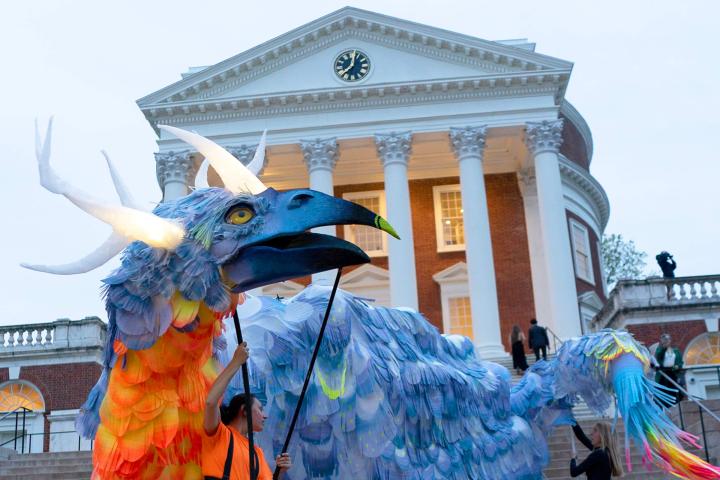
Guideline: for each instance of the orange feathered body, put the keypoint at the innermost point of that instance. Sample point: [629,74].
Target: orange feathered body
[151,417]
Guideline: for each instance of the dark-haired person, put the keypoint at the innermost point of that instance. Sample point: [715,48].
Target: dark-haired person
[230,435]
[538,340]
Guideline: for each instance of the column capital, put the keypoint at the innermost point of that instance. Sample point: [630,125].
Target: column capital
[174,167]
[468,141]
[527,182]
[244,153]
[319,154]
[394,147]
[545,136]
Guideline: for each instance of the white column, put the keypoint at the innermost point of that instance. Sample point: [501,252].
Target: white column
[394,152]
[320,158]
[174,172]
[543,140]
[528,190]
[469,143]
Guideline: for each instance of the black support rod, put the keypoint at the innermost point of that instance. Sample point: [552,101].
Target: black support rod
[253,458]
[276,474]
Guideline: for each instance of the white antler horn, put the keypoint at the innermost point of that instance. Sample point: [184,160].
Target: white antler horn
[128,223]
[201,178]
[124,194]
[237,177]
[258,161]
[110,247]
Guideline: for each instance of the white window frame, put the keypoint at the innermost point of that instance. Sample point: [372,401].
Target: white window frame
[347,229]
[453,284]
[586,237]
[601,261]
[439,229]
[447,320]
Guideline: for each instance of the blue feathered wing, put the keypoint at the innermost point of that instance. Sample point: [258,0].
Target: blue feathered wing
[390,398]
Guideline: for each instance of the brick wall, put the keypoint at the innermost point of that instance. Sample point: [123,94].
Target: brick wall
[681,332]
[573,146]
[510,249]
[52,380]
[581,285]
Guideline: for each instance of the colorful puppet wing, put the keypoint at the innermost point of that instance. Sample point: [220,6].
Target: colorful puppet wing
[596,364]
[390,396]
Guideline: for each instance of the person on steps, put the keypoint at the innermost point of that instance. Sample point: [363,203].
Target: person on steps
[538,340]
[517,347]
[603,461]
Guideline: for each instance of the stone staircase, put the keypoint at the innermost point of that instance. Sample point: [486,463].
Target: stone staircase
[559,441]
[561,453]
[43,466]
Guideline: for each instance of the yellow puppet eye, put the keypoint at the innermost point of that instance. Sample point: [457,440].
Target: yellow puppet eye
[239,216]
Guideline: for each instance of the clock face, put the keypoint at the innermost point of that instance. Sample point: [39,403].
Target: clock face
[352,65]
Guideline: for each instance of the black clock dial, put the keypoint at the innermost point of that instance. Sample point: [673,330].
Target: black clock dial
[352,65]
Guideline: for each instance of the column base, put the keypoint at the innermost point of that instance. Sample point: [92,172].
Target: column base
[490,351]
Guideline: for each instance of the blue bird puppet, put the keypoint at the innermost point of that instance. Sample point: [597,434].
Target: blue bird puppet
[390,398]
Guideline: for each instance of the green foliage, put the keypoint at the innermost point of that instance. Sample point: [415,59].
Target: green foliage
[621,258]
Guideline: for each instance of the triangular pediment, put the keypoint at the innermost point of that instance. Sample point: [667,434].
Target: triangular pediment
[591,300]
[367,275]
[453,273]
[401,52]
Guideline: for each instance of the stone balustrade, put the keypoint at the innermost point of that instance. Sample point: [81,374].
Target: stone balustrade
[60,334]
[696,297]
[692,289]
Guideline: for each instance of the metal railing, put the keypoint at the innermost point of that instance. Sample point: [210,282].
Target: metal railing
[20,411]
[20,434]
[555,340]
[702,410]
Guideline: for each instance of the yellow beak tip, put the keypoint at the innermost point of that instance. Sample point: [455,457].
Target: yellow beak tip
[383,224]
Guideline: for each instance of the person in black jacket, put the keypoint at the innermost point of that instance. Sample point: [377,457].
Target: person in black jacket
[538,340]
[603,461]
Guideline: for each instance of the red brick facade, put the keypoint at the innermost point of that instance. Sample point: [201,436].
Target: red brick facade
[573,145]
[510,248]
[681,332]
[63,386]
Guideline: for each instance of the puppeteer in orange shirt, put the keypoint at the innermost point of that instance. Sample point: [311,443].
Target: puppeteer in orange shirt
[215,450]
[232,423]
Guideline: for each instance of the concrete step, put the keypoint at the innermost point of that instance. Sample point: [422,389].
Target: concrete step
[49,475]
[55,465]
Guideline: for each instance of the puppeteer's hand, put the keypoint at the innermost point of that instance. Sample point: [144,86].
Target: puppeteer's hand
[241,355]
[284,462]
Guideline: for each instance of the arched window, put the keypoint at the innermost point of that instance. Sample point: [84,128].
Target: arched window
[703,349]
[17,393]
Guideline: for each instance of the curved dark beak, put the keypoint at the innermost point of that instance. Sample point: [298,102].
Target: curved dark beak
[287,250]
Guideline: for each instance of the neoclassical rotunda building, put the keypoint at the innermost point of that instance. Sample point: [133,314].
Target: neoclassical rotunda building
[467,146]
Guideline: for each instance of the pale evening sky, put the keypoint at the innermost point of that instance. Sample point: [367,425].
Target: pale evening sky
[645,79]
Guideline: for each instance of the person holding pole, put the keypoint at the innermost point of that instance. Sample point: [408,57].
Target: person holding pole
[603,461]
[225,449]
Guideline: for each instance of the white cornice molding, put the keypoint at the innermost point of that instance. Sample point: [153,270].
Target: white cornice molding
[581,179]
[571,113]
[423,39]
[345,98]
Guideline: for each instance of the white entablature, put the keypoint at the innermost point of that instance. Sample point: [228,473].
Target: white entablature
[411,64]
